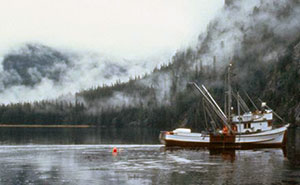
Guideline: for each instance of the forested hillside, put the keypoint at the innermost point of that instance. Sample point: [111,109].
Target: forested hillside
[261,39]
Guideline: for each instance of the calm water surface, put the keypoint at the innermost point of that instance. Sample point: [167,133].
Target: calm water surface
[85,162]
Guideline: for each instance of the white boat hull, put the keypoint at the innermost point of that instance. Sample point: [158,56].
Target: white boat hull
[271,138]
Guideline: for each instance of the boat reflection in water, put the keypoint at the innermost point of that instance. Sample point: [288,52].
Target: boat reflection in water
[226,154]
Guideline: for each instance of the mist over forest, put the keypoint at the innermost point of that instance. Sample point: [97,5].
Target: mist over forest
[261,38]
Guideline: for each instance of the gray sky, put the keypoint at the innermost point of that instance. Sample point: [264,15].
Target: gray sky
[133,29]
[135,34]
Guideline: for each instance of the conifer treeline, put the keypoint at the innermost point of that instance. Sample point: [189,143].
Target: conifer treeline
[276,83]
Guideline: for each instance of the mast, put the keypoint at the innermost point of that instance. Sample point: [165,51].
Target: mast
[238,103]
[238,107]
[225,98]
[229,102]
[239,112]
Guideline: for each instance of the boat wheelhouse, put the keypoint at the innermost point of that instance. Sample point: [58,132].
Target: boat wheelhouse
[248,130]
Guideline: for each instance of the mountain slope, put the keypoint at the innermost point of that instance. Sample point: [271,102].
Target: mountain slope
[260,38]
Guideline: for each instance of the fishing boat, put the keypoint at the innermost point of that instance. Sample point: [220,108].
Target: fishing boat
[250,129]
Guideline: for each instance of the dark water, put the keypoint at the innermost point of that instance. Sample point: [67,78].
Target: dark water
[70,156]
[23,136]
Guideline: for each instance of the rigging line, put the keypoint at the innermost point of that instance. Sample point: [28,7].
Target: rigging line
[242,104]
[205,118]
[213,101]
[229,102]
[224,119]
[239,112]
[225,100]
[211,117]
[250,100]
[216,106]
[238,102]
[211,104]
[214,117]
[273,112]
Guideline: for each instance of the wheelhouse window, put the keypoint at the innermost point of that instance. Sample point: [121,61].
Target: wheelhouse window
[247,125]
